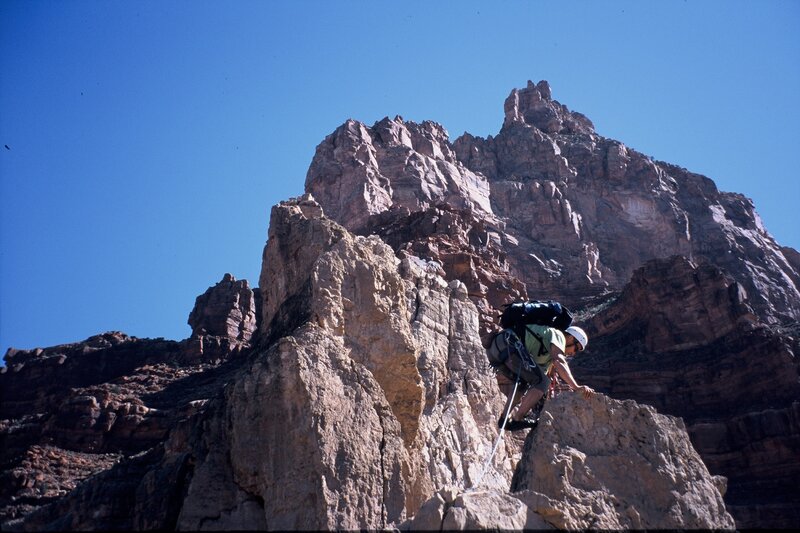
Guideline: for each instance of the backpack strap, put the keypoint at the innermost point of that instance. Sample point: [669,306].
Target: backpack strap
[542,350]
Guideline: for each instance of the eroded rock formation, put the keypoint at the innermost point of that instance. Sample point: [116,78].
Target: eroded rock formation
[71,411]
[682,338]
[352,419]
[593,464]
[351,390]
[574,213]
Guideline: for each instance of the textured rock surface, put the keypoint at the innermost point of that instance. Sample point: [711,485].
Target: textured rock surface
[359,171]
[593,464]
[573,215]
[72,411]
[223,321]
[606,464]
[355,418]
[452,510]
[350,420]
[352,387]
[569,195]
[375,402]
[555,196]
[681,338]
[228,309]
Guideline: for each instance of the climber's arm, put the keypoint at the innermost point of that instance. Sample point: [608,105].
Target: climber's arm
[562,368]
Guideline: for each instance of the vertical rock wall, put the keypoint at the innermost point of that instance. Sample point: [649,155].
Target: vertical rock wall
[353,419]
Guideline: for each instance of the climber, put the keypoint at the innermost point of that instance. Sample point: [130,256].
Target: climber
[557,346]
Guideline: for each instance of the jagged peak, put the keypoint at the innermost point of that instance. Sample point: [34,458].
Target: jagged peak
[534,106]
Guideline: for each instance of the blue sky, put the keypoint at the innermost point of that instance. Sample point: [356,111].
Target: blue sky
[149,140]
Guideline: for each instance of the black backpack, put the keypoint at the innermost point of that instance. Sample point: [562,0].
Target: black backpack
[550,313]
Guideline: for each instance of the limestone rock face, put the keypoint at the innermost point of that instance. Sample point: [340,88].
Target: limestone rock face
[353,419]
[299,235]
[573,215]
[605,464]
[569,195]
[593,464]
[558,196]
[452,510]
[462,247]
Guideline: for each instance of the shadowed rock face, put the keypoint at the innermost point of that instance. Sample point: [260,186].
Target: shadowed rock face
[682,338]
[351,390]
[71,411]
[227,309]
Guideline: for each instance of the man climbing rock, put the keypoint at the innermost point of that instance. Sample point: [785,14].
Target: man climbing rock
[548,349]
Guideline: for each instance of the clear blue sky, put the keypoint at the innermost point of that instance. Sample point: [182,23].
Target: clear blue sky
[149,140]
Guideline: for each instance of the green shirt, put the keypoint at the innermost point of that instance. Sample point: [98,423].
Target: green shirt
[550,337]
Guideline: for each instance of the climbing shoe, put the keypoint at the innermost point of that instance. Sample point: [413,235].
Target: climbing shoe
[514,425]
[530,422]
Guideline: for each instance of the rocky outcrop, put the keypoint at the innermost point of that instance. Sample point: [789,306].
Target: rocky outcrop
[72,411]
[605,464]
[223,321]
[682,338]
[356,414]
[574,194]
[462,247]
[32,379]
[350,419]
[351,390]
[593,464]
[556,196]
[380,399]
[572,216]
[402,181]
[225,310]
[359,171]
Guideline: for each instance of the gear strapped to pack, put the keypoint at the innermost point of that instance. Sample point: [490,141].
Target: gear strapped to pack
[507,355]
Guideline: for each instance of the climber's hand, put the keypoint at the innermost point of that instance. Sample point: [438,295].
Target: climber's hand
[586,390]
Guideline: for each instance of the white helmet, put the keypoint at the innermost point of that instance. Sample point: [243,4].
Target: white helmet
[579,335]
